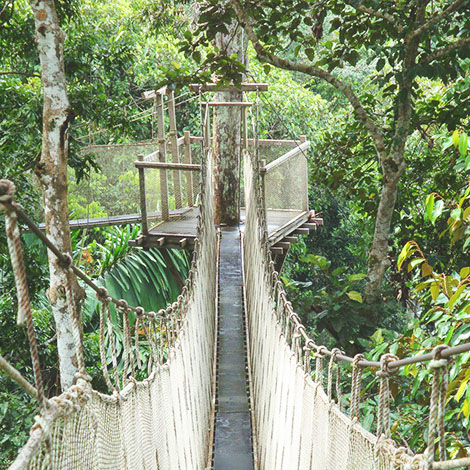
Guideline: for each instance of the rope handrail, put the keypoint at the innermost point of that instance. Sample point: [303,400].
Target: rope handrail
[65,259]
[301,345]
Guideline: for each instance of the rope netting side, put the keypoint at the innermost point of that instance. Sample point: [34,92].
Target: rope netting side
[161,422]
[299,422]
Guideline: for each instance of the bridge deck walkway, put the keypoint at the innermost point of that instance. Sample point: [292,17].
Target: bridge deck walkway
[233,448]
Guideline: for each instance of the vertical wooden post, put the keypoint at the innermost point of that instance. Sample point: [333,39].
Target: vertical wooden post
[303,138]
[162,157]
[263,189]
[143,199]
[207,128]
[175,158]
[189,174]
[244,129]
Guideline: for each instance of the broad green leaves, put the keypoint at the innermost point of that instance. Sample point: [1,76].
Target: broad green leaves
[434,208]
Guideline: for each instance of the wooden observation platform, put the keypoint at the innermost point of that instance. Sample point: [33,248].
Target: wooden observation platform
[169,170]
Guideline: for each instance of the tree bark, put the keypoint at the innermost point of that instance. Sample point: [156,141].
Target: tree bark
[52,174]
[227,137]
[378,253]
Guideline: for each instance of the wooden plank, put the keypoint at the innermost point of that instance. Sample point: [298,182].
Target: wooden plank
[290,239]
[161,241]
[228,103]
[294,223]
[277,250]
[169,166]
[283,244]
[151,94]
[183,242]
[301,231]
[232,88]
[311,225]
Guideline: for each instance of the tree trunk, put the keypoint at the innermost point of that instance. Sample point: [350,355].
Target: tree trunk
[227,138]
[378,254]
[52,174]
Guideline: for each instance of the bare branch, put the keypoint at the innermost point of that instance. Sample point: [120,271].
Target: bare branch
[265,56]
[377,14]
[445,51]
[26,74]
[436,18]
[6,367]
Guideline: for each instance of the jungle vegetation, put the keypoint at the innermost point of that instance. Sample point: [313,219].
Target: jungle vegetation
[381,89]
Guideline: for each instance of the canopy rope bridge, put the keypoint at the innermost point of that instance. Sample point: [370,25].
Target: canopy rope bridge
[166,421]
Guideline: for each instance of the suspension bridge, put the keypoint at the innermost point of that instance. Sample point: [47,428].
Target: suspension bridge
[234,381]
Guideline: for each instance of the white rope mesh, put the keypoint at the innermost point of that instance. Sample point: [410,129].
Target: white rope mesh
[159,423]
[297,426]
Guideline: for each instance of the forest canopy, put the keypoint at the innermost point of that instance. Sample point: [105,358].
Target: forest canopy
[382,92]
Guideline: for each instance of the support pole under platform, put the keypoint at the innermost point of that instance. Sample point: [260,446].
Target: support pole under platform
[233,449]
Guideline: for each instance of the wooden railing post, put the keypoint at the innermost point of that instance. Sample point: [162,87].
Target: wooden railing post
[162,157]
[207,128]
[175,158]
[143,199]
[189,175]
[263,188]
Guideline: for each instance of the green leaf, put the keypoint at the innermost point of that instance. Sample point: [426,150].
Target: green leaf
[455,138]
[380,64]
[429,206]
[354,295]
[463,144]
[464,272]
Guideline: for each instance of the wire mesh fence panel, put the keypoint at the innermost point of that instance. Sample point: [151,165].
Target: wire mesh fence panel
[286,182]
[111,190]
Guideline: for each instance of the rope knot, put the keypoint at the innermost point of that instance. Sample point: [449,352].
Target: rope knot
[438,361]
[139,311]
[7,190]
[386,370]
[321,351]
[83,375]
[67,261]
[334,353]
[123,305]
[102,295]
[357,359]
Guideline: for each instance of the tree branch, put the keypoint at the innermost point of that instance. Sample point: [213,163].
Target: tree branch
[377,14]
[445,51]
[436,18]
[314,71]
[26,74]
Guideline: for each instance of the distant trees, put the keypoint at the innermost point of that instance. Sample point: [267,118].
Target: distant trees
[407,41]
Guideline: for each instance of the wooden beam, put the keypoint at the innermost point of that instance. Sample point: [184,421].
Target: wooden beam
[151,94]
[183,242]
[277,250]
[168,166]
[312,225]
[161,241]
[228,103]
[231,88]
[283,244]
[290,239]
[301,231]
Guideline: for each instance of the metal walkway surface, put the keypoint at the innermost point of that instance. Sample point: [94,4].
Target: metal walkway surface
[233,448]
